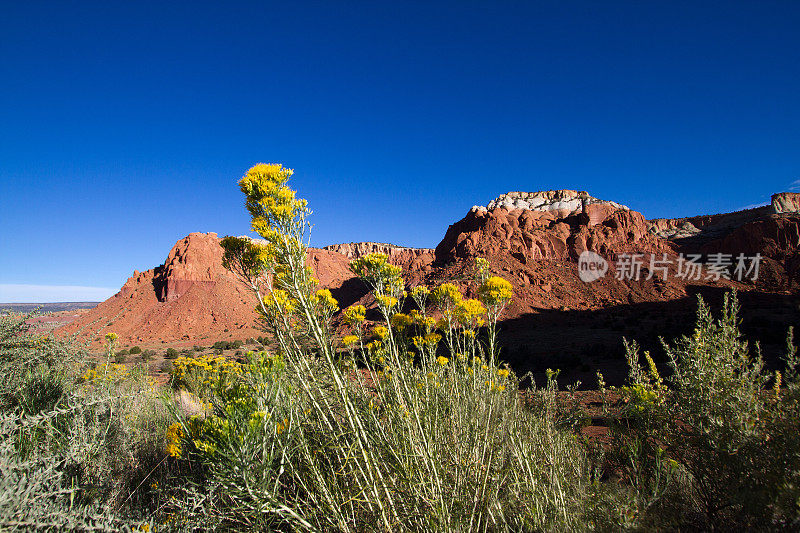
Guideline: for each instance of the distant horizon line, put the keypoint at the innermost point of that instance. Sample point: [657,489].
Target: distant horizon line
[50,303]
[24,293]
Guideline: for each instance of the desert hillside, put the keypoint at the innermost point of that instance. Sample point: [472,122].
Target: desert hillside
[532,239]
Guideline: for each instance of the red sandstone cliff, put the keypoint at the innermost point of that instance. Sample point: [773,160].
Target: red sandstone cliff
[558,225]
[532,239]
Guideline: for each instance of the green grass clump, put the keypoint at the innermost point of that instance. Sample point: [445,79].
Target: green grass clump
[76,437]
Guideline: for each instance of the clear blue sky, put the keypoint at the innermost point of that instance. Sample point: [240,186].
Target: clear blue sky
[124,126]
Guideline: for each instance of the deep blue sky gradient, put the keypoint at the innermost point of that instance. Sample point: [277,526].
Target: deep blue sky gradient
[124,126]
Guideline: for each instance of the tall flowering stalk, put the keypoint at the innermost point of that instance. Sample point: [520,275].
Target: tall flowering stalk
[428,435]
[294,306]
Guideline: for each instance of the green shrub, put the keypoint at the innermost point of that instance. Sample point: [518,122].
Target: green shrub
[171,353]
[135,350]
[76,438]
[147,355]
[710,441]
[221,345]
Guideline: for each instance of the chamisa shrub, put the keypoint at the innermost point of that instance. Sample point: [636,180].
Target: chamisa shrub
[78,437]
[710,447]
[407,423]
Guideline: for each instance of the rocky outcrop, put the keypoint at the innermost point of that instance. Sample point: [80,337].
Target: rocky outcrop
[773,231]
[563,202]
[555,225]
[705,227]
[531,239]
[191,297]
[786,202]
[409,258]
[194,260]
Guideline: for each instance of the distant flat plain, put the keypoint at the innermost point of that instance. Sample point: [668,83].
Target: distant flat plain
[45,307]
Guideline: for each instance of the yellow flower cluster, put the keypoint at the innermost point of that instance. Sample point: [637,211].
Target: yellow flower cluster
[430,340]
[420,292]
[385,278]
[374,346]
[326,300]
[401,321]
[173,438]
[279,302]
[495,291]
[380,332]
[427,323]
[395,283]
[108,372]
[111,337]
[349,340]
[442,360]
[469,312]
[375,267]
[280,427]
[268,198]
[482,268]
[246,256]
[355,314]
[206,370]
[257,419]
[387,302]
[446,295]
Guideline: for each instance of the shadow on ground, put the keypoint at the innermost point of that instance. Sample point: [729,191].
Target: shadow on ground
[581,342]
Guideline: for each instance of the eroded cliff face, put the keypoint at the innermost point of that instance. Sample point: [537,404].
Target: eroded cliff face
[704,228]
[415,258]
[532,239]
[191,297]
[786,202]
[772,231]
[556,225]
[194,260]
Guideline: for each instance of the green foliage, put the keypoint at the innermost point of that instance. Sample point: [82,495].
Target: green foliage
[171,353]
[221,345]
[76,438]
[135,350]
[147,355]
[714,439]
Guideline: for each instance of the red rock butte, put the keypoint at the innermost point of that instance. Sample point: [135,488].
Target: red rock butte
[533,239]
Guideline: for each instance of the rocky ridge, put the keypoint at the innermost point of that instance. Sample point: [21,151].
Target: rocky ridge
[564,201]
[554,225]
[409,258]
[532,239]
[709,227]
